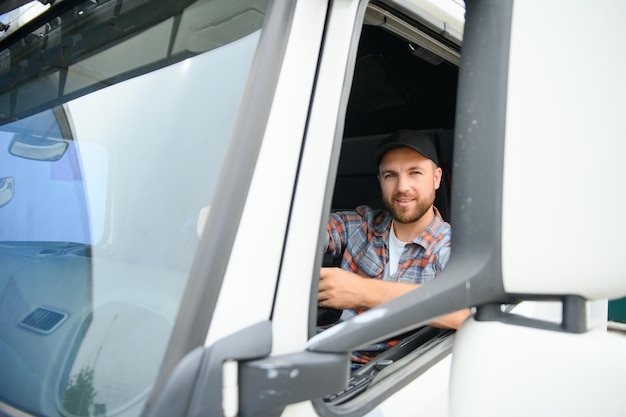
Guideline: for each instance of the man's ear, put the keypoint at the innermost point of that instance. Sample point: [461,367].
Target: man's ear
[437,177]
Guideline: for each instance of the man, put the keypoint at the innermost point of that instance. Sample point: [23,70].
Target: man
[387,253]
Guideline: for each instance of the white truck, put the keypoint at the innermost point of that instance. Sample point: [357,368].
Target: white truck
[167,168]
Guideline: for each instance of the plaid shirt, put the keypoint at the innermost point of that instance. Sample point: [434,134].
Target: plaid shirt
[362,236]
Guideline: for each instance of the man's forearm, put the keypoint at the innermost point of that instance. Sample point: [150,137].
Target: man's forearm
[452,320]
[377,292]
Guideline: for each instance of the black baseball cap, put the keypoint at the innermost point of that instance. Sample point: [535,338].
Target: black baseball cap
[418,141]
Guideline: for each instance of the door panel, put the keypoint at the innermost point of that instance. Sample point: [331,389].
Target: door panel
[501,369]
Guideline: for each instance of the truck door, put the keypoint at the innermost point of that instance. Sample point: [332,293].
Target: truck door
[382,68]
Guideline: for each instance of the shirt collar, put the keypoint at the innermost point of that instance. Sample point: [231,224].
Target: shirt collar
[425,239]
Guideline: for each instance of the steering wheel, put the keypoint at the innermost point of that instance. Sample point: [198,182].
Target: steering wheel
[327,315]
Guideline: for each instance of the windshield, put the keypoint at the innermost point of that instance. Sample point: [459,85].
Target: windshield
[115,118]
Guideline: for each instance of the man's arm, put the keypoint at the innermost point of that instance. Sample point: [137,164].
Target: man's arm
[342,289]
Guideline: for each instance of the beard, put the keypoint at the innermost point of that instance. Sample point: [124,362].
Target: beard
[410,215]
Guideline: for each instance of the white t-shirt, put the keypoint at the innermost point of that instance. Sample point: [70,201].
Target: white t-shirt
[396,247]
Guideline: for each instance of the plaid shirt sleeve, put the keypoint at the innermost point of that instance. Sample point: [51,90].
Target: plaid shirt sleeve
[359,236]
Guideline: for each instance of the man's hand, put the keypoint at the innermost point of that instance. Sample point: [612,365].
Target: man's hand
[340,289]
[344,289]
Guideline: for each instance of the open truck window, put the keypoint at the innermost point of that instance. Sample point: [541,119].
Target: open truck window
[405,77]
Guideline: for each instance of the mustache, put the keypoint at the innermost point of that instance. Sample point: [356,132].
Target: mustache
[399,196]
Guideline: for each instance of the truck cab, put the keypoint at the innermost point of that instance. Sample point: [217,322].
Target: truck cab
[167,169]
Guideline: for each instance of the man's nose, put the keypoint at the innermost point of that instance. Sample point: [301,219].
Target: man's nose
[403,183]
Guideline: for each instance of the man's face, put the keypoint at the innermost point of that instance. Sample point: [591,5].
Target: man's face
[408,182]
